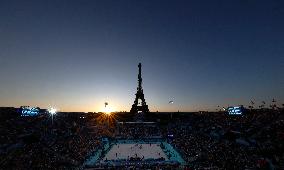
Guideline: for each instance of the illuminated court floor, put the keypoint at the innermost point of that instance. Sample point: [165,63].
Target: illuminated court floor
[126,151]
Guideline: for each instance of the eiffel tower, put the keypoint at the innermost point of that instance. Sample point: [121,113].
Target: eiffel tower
[138,107]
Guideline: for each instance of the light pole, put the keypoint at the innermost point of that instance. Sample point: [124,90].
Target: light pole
[52,111]
[171,102]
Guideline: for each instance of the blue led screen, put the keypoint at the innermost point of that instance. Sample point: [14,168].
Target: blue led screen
[29,111]
[237,110]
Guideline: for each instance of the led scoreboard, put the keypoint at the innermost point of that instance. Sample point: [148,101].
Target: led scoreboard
[29,111]
[236,110]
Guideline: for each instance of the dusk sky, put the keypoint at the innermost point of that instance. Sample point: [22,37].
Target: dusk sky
[75,55]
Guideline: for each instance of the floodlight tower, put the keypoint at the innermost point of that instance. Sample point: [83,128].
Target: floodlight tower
[171,103]
[52,111]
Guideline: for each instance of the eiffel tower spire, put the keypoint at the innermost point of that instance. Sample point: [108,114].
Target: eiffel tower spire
[139,95]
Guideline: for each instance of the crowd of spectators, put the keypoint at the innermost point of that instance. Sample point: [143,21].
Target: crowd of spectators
[220,141]
[205,140]
[137,130]
[39,143]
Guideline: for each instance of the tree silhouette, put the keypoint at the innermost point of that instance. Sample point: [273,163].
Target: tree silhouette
[273,105]
[251,106]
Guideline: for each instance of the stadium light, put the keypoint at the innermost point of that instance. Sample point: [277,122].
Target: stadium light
[52,111]
[171,102]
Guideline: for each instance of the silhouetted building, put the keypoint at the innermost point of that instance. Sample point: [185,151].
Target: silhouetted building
[139,106]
